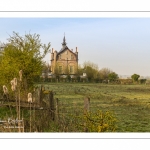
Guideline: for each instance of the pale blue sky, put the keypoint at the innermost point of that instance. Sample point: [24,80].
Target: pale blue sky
[120,44]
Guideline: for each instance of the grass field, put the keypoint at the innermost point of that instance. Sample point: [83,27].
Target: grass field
[130,104]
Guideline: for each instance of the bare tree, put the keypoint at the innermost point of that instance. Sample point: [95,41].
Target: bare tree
[104,72]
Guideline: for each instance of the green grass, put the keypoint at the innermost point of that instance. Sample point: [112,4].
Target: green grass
[129,103]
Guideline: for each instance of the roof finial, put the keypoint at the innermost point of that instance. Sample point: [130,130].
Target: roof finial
[64,41]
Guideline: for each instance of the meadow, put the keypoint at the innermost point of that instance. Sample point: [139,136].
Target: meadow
[130,104]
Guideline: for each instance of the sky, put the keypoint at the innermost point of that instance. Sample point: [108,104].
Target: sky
[120,44]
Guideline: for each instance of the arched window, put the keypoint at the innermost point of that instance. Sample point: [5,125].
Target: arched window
[72,57]
[71,69]
[60,69]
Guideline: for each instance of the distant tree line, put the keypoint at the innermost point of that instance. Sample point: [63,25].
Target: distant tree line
[94,74]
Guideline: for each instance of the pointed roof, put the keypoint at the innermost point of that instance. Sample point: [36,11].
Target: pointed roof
[64,42]
[64,45]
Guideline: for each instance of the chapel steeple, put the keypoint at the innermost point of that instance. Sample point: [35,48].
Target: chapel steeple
[64,42]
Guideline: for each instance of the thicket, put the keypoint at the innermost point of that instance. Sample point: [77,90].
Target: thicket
[24,53]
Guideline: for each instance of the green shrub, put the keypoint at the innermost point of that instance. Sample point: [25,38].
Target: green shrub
[142,81]
[98,121]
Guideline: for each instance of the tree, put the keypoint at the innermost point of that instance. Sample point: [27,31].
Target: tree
[45,68]
[104,72]
[142,81]
[22,53]
[79,70]
[112,76]
[91,70]
[135,77]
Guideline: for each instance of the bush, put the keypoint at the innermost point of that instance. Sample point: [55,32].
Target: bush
[98,121]
[142,81]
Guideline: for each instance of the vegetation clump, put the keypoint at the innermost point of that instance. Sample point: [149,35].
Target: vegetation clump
[99,121]
[22,53]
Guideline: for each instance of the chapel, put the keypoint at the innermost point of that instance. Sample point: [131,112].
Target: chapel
[64,61]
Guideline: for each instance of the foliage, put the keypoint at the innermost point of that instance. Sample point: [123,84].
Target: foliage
[68,78]
[104,72]
[113,76]
[56,70]
[45,68]
[93,121]
[91,70]
[142,81]
[125,81]
[22,53]
[79,70]
[135,77]
[98,121]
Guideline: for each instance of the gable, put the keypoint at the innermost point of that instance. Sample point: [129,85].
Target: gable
[64,50]
[66,53]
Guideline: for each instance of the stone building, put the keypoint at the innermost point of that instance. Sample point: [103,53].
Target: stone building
[65,61]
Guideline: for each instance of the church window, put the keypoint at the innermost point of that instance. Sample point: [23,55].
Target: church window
[60,69]
[71,69]
[72,57]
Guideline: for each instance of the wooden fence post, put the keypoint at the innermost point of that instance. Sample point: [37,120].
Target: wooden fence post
[51,104]
[40,95]
[30,117]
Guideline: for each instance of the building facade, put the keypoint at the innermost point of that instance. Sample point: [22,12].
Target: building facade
[65,61]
